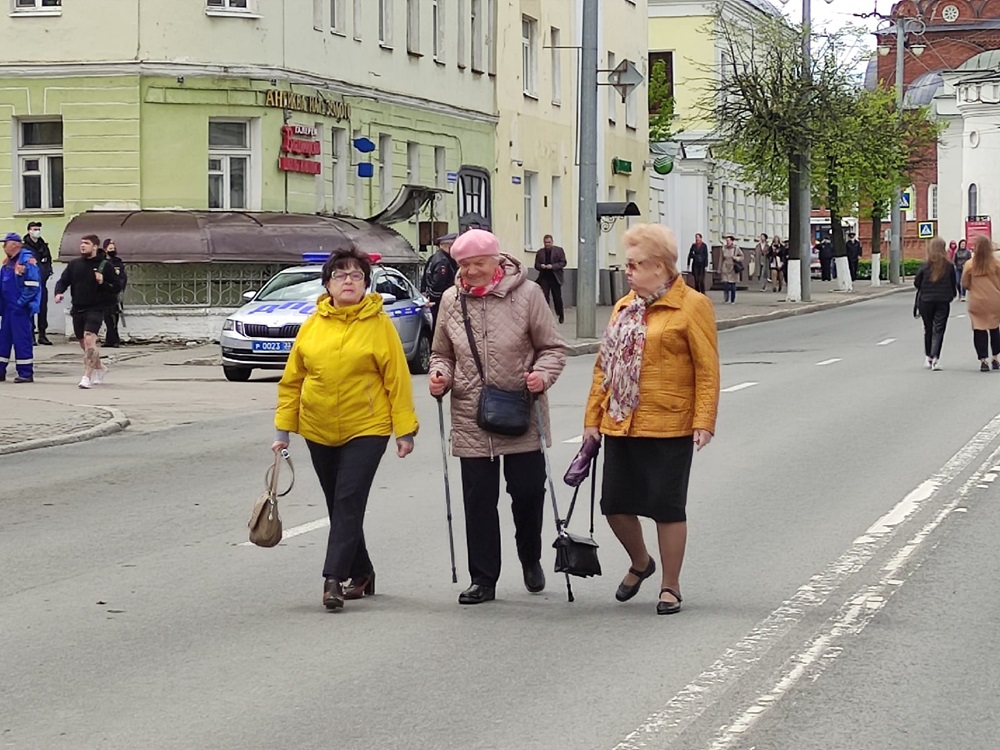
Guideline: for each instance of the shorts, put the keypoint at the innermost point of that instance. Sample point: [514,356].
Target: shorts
[87,321]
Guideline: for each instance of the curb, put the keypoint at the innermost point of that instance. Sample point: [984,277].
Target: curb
[593,347]
[116,422]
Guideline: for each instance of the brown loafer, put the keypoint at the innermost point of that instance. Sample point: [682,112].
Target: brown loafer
[333,594]
[360,587]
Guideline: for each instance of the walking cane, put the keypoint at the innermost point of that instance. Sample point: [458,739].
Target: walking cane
[447,486]
[552,487]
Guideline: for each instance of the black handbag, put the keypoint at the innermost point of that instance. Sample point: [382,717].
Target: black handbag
[499,411]
[576,555]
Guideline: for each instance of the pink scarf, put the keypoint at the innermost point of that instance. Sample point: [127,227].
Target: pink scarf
[482,291]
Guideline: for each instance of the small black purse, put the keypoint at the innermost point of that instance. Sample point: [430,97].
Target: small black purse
[499,411]
[576,555]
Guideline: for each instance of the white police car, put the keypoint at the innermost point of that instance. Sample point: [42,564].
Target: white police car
[261,333]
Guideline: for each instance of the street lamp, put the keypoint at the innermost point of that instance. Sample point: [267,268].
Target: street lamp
[902,26]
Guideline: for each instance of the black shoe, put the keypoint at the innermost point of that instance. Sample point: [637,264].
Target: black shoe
[669,608]
[534,578]
[624,593]
[995,364]
[28,379]
[477,594]
[983,367]
[333,594]
[43,340]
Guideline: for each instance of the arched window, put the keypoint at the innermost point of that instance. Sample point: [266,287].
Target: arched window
[973,200]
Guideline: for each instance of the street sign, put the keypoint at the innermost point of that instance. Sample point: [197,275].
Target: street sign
[453,177]
[976,225]
[925,230]
[904,201]
[625,78]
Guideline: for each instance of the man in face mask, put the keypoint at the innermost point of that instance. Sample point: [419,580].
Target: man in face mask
[43,257]
[112,316]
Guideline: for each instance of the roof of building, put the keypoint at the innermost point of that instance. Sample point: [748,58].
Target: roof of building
[871,74]
[922,90]
[988,60]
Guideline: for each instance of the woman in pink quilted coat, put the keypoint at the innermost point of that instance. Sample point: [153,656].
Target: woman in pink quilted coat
[519,346]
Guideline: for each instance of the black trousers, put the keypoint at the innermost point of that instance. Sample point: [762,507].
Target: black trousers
[852,263]
[982,338]
[525,475]
[698,272]
[935,317]
[346,474]
[825,270]
[111,319]
[42,324]
[552,291]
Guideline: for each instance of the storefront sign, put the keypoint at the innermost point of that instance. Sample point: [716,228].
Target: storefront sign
[313,105]
[977,225]
[297,147]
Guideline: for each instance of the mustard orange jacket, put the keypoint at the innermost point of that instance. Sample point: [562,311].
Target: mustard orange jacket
[679,379]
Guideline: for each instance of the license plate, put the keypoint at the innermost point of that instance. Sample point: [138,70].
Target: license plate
[271,346]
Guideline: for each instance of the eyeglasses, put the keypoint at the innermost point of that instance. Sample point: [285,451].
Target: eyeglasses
[341,276]
[633,265]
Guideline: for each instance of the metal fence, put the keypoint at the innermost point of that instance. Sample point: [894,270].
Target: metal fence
[195,284]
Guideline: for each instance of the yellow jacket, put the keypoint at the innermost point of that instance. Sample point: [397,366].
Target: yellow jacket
[346,376]
[679,379]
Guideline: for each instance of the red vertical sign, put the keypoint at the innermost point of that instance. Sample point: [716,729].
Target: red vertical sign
[979,225]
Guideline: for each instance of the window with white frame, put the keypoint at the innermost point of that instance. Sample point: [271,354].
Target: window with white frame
[229,155]
[357,19]
[530,209]
[632,109]
[413,26]
[529,55]
[437,29]
[630,196]
[463,42]
[555,204]
[612,93]
[491,35]
[477,36]
[318,14]
[932,202]
[40,160]
[235,6]
[412,163]
[385,22]
[53,7]
[555,38]
[385,167]
[341,159]
[338,16]
[440,167]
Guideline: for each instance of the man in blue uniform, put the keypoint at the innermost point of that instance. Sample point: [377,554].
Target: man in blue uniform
[20,294]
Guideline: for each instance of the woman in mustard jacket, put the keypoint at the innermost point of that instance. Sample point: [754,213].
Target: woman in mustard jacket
[655,396]
[346,389]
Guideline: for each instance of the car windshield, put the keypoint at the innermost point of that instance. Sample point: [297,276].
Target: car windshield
[287,287]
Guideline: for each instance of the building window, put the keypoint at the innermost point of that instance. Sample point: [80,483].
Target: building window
[413,26]
[973,200]
[612,94]
[529,55]
[412,163]
[932,202]
[440,167]
[555,203]
[474,198]
[47,7]
[228,164]
[630,196]
[632,109]
[463,43]
[491,35]
[318,14]
[234,6]
[385,168]
[437,22]
[477,36]
[338,17]
[40,156]
[340,163]
[530,209]
[357,19]
[554,41]
[385,22]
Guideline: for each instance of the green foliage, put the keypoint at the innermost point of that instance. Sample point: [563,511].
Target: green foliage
[910,268]
[661,105]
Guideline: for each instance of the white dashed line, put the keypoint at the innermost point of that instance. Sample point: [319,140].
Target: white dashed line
[739,387]
[305,528]
[828,362]
[960,316]
[885,342]
[574,440]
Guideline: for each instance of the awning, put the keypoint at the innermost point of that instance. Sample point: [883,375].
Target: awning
[409,201]
[231,237]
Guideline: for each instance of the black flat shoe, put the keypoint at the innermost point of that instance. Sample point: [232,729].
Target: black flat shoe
[624,593]
[28,379]
[534,577]
[333,594]
[477,594]
[360,587]
[669,608]
[44,341]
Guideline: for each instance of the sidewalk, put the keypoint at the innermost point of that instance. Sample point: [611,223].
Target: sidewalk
[159,386]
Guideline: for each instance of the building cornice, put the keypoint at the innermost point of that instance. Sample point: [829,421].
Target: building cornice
[260,72]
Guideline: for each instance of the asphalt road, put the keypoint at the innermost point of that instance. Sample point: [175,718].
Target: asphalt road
[840,586]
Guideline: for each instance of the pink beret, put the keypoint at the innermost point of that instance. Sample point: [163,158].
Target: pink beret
[475,242]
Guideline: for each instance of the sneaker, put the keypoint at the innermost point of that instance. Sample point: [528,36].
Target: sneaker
[99,376]
[996,365]
[983,367]
[85,381]
[935,365]
[928,362]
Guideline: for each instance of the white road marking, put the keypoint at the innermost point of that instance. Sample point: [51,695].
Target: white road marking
[697,697]
[320,523]
[960,316]
[885,342]
[739,387]
[828,362]
[574,440]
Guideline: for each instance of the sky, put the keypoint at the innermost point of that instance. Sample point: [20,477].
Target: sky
[837,14]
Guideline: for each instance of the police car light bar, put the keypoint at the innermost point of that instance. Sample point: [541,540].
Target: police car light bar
[324,257]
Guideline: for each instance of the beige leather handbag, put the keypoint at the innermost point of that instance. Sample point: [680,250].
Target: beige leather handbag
[265,523]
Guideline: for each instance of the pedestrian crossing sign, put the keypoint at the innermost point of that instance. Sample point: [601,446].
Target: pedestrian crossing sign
[904,201]
[925,230]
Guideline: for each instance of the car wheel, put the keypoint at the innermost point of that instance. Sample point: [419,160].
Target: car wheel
[237,374]
[421,362]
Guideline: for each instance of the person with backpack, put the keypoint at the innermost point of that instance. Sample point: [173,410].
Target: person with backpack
[91,281]
[936,288]
[961,256]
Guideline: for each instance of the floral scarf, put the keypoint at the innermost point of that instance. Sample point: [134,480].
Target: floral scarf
[621,355]
[482,291]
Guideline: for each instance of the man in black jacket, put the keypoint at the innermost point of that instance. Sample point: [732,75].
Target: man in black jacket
[698,262]
[439,274]
[853,254]
[91,281]
[43,257]
[550,262]
[112,316]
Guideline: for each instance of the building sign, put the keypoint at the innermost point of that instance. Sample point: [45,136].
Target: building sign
[299,141]
[975,225]
[313,105]
[621,166]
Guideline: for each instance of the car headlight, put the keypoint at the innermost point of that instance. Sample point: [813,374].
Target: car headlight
[229,325]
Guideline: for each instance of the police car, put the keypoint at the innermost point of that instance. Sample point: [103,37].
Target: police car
[261,333]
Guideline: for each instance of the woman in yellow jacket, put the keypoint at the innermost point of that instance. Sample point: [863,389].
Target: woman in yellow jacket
[655,396]
[346,389]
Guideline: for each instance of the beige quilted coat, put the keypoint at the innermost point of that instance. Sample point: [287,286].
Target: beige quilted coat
[515,332]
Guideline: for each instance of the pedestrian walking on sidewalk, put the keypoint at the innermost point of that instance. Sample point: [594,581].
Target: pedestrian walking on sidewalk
[43,255]
[962,256]
[112,317]
[775,264]
[20,293]
[697,262]
[763,270]
[654,398]
[90,280]
[981,279]
[345,389]
[732,268]
[496,329]
[936,288]
[550,262]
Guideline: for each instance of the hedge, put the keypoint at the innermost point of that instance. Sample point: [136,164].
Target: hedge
[910,268]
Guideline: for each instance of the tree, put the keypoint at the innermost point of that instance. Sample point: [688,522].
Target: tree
[661,105]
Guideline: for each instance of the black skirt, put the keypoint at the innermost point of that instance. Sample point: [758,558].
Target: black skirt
[647,477]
